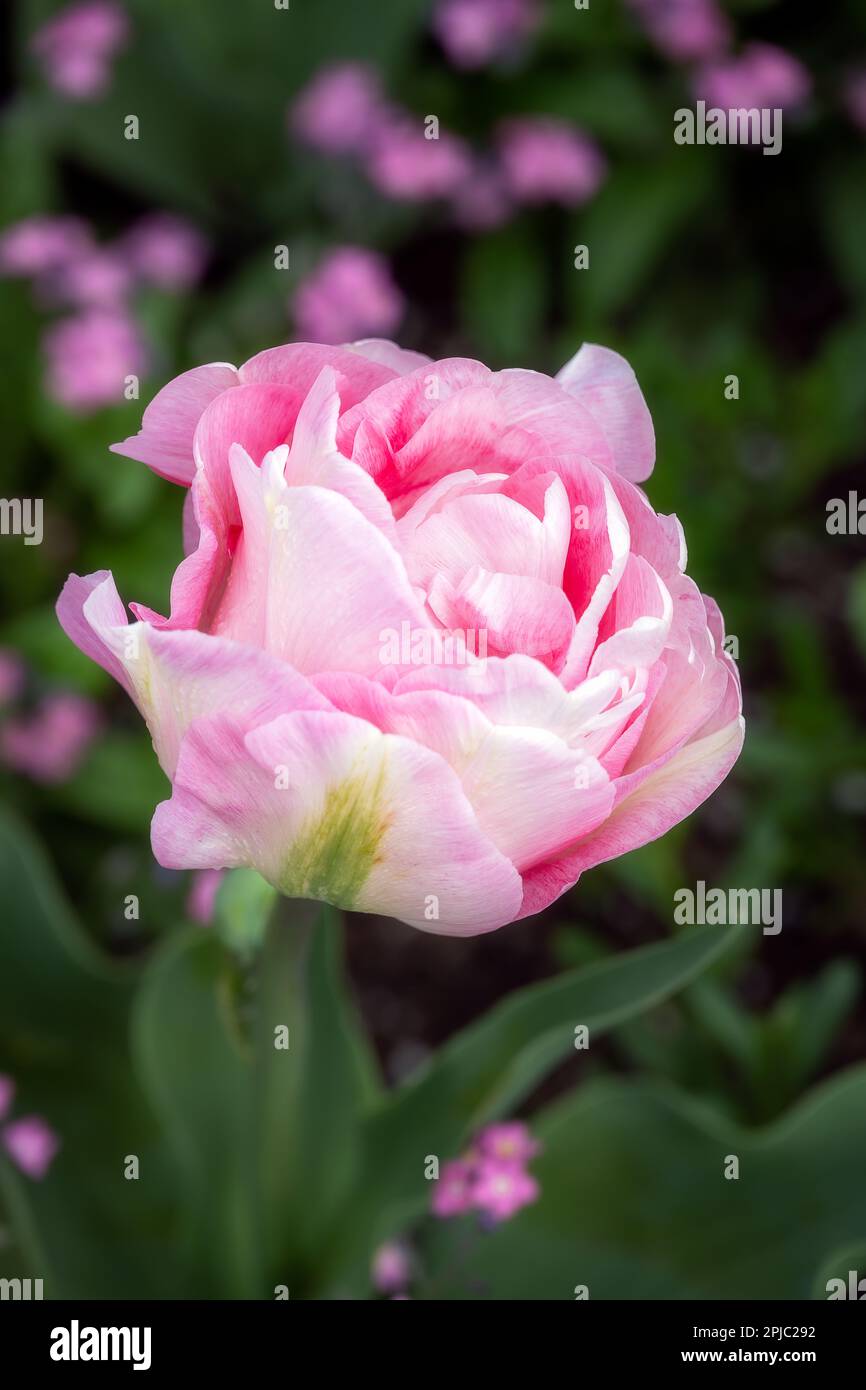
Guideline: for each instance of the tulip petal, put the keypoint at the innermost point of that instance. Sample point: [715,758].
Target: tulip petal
[325,806]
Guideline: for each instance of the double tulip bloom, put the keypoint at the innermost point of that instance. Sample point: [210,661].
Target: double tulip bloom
[563,695]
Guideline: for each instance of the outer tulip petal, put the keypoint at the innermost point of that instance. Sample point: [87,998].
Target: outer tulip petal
[388,354]
[168,425]
[605,384]
[176,677]
[663,799]
[325,806]
[531,793]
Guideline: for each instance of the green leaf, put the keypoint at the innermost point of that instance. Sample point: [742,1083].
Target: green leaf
[486,1070]
[199,1083]
[63,1013]
[634,1202]
[310,1096]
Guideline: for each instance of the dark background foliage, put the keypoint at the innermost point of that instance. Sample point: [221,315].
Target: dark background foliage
[704,262]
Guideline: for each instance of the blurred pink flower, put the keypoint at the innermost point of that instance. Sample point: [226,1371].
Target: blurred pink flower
[340,110]
[481,203]
[350,294]
[854,95]
[98,278]
[762,76]
[12,674]
[39,244]
[32,1144]
[548,160]
[89,355]
[166,250]
[475,32]
[76,48]
[501,1189]
[201,899]
[684,30]
[48,744]
[7,1095]
[405,164]
[391,1268]
[508,1143]
[454,1190]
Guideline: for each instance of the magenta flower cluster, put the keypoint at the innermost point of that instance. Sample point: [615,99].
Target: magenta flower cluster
[699,32]
[492,1178]
[30,1141]
[409,158]
[76,49]
[474,33]
[97,344]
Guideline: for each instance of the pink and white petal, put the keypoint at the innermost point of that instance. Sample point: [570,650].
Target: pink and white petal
[596,562]
[388,354]
[465,431]
[519,691]
[92,615]
[512,612]
[180,677]
[548,418]
[314,458]
[312,581]
[489,530]
[659,802]
[637,622]
[165,440]
[295,366]
[606,385]
[532,795]
[259,418]
[399,408]
[326,806]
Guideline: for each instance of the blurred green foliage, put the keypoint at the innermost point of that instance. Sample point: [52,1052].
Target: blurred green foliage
[702,263]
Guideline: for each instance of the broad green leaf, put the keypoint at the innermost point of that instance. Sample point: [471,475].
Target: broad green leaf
[63,1012]
[199,1083]
[635,1204]
[489,1068]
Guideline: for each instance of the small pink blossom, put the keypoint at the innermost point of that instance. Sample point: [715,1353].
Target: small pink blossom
[12,675]
[340,110]
[454,1192]
[349,295]
[49,744]
[406,165]
[97,279]
[501,1189]
[77,47]
[684,30]
[762,76]
[547,160]
[508,1143]
[476,32]
[166,251]
[201,900]
[32,1144]
[7,1095]
[391,1268]
[37,245]
[89,356]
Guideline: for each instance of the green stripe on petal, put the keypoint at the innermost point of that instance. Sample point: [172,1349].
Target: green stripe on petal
[334,851]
